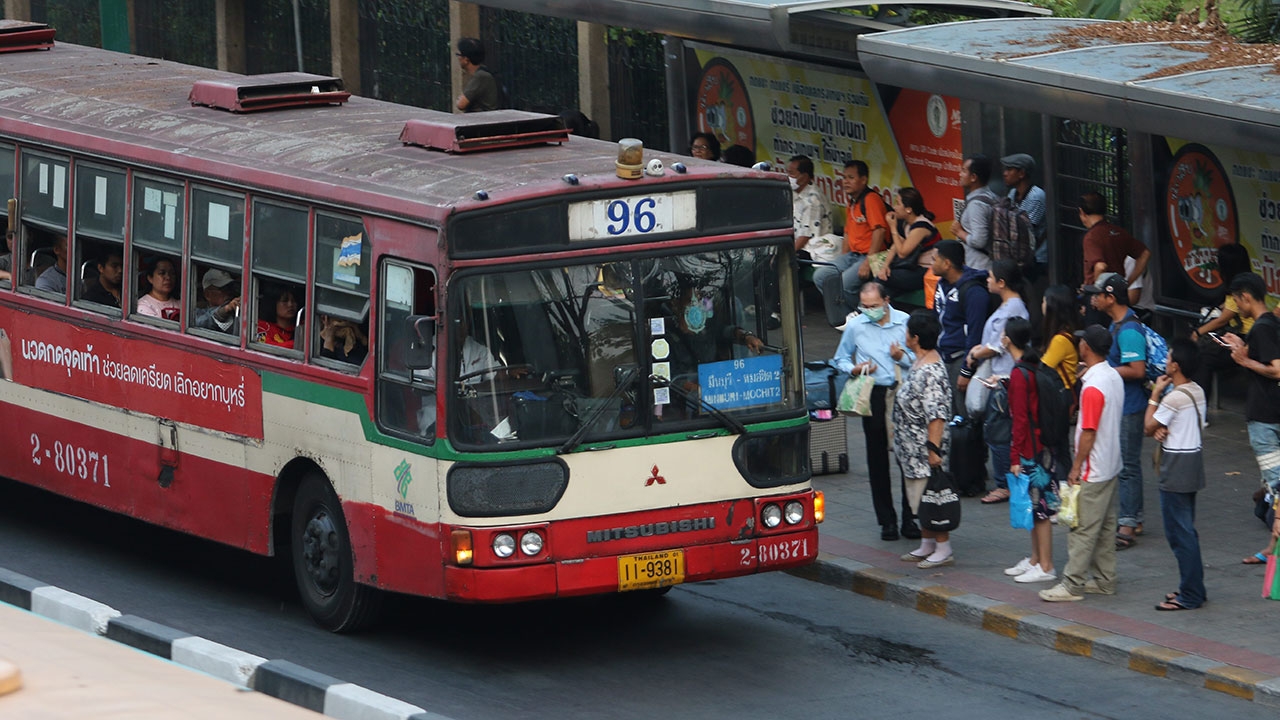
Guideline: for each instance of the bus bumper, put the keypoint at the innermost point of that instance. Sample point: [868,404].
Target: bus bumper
[599,575]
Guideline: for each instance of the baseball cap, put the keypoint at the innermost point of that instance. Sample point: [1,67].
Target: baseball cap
[216,278]
[1097,338]
[1109,283]
[1022,161]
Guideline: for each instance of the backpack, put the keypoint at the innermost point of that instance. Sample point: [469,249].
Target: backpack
[1053,413]
[997,424]
[1012,236]
[1157,349]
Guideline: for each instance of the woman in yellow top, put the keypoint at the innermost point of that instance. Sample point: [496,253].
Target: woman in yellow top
[1059,311]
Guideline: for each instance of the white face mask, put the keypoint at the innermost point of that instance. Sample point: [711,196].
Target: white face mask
[795,184]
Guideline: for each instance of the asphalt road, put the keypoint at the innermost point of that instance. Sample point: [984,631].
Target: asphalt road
[768,646]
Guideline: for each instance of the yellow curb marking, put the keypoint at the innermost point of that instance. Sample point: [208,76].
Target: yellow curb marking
[933,599]
[873,581]
[10,677]
[1078,639]
[1003,619]
[1152,659]
[1234,680]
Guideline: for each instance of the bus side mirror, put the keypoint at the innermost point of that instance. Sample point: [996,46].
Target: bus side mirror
[421,352]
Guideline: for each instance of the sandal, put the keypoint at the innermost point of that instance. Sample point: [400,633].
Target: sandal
[1172,605]
[1255,559]
[1124,542]
[998,495]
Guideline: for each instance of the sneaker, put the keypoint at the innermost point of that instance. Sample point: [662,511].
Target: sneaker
[1035,574]
[1023,565]
[1059,593]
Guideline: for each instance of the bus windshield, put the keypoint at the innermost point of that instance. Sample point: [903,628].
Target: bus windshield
[629,348]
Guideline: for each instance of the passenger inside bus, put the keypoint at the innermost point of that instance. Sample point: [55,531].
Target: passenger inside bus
[6,260]
[220,291]
[278,314]
[343,340]
[54,278]
[160,289]
[103,287]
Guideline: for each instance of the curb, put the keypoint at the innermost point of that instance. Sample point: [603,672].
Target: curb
[280,679]
[1027,625]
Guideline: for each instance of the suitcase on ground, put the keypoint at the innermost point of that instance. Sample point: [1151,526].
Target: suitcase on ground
[828,432]
[968,461]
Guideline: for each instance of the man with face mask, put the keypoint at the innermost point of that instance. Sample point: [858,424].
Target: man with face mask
[873,343]
[810,217]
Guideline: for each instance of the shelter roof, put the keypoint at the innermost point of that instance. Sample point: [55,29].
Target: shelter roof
[1188,88]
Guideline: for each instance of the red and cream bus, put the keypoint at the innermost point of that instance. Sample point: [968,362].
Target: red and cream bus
[456,356]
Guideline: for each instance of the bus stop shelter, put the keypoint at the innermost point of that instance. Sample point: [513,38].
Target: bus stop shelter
[1202,119]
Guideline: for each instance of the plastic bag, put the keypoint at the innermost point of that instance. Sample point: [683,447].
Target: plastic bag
[855,398]
[1020,517]
[1069,513]
[1271,581]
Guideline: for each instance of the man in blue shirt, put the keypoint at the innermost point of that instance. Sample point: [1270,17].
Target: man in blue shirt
[875,343]
[1030,198]
[1110,296]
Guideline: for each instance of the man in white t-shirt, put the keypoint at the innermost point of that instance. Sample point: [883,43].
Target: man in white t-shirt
[1090,548]
[1175,418]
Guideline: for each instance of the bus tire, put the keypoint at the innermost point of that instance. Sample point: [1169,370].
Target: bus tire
[322,561]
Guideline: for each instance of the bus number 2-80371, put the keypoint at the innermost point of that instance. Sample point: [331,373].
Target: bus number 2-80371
[72,460]
[769,551]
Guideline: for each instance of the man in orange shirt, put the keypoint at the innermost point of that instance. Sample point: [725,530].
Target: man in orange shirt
[864,233]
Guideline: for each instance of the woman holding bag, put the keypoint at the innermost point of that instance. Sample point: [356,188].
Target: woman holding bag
[991,360]
[920,415]
[1024,448]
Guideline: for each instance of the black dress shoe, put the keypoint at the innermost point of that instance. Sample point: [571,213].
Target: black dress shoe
[911,532]
[888,532]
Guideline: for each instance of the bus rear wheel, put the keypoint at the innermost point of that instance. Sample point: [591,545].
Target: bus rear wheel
[322,561]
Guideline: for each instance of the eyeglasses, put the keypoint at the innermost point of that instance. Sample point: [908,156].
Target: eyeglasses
[701,147]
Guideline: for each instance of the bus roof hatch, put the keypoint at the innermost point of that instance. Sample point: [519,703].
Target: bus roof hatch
[18,36]
[269,92]
[484,131]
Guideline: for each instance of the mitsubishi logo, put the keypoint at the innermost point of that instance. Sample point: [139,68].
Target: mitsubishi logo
[654,477]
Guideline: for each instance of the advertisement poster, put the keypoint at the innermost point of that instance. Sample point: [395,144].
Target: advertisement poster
[133,375]
[1212,196]
[780,108]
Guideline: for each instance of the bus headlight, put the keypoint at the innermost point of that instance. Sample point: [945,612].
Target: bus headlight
[504,546]
[531,543]
[771,515]
[793,513]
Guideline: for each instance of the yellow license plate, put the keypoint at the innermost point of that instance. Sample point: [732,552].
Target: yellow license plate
[650,570]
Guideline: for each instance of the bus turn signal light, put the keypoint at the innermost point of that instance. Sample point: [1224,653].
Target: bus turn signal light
[462,552]
[819,506]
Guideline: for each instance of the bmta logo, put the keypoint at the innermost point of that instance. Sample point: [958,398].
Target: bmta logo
[403,478]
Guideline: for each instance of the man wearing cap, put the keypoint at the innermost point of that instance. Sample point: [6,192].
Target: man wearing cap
[222,293]
[1029,198]
[1090,549]
[1128,355]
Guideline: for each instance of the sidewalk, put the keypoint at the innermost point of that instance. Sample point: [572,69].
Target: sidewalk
[1225,645]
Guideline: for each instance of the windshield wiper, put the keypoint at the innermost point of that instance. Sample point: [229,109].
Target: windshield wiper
[623,384]
[725,418]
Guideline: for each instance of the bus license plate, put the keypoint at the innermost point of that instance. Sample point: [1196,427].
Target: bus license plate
[650,570]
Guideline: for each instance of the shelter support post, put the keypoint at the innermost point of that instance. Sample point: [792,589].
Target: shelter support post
[677,101]
[17,9]
[464,21]
[593,76]
[344,39]
[230,28]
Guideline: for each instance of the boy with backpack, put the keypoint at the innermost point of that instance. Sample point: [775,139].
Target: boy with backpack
[1128,355]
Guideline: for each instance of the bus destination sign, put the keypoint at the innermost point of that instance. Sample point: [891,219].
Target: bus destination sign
[741,383]
[636,215]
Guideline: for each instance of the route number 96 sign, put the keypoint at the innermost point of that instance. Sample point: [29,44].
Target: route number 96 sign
[638,215]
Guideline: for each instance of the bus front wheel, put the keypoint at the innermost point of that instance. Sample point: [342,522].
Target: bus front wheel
[322,561]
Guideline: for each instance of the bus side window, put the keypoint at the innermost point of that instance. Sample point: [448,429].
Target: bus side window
[6,191]
[407,399]
[45,182]
[342,269]
[279,251]
[98,269]
[216,264]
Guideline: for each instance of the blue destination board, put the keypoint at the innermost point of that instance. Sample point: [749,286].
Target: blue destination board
[745,382]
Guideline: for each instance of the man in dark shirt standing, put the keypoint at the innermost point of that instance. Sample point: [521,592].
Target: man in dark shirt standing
[481,91]
[1261,357]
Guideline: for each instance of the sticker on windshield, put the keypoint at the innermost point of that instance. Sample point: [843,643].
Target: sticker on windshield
[662,370]
[745,382]
[661,396]
[657,326]
[660,349]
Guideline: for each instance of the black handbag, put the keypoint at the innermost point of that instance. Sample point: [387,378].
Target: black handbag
[940,504]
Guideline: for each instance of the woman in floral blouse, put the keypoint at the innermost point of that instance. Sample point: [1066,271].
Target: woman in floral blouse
[920,440]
